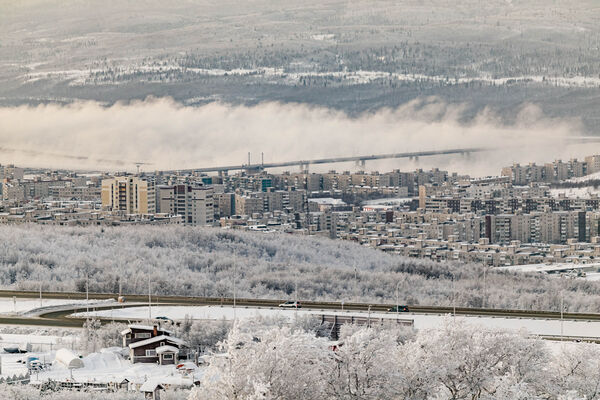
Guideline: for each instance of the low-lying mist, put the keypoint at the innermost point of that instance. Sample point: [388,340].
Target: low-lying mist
[88,135]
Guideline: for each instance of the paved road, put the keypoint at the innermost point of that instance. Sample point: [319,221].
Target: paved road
[59,318]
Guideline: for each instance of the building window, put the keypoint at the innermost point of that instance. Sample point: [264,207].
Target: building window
[142,335]
[151,353]
[167,356]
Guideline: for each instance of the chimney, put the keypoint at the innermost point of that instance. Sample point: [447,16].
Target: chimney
[155,333]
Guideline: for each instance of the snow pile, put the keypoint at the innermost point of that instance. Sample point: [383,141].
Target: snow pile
[104,360]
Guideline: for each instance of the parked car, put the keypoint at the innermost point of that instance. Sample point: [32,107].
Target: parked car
[398,309]
[36,365]
[290,304]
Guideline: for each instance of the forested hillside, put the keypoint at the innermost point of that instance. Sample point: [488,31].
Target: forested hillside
[200,262]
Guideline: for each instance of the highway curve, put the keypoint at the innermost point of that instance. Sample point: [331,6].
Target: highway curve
[61,317]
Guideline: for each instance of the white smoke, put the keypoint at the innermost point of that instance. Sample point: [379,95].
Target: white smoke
[171,136]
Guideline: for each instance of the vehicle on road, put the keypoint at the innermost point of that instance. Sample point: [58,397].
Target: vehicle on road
[166,319]
[398,309]
[290,304]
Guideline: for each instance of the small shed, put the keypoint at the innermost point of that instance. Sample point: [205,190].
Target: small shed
[167,354]
[68,359]
[151,390]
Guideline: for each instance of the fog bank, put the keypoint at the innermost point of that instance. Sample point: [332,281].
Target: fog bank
[88,135]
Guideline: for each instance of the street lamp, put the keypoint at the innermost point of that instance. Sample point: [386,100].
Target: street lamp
[484,288]
[149,301]
[562,299]
[397,299]
[356,284]
[453,297]
[234,288]
[296,292]
[87,295]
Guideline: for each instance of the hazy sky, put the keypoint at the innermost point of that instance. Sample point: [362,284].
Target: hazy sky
[171,136]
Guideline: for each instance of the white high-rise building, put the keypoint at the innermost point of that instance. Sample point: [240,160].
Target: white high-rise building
[194,203]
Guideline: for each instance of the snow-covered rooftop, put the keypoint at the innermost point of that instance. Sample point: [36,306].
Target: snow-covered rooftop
[145,328]
[167,349]
[157,339]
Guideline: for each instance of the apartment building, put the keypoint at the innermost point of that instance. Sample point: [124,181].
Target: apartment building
[86,193]
[130,194]
[224,204]
[12,192]
[194,203]
[11,172]
[248,205]
[592,164]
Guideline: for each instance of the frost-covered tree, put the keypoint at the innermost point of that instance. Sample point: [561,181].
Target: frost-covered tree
[466,360]
[577,370]
[362,367]
[203,262]
[202,335]
[109,335]
[456,361]
[89,338]
[276,363]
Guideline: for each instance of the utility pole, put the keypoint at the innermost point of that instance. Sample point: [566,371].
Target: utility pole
[562,300]
[149,301]
[397,300]
[355,284]
[87,296]
[484,288]
[453,298]
[296,291]
[40,263]
[234,279]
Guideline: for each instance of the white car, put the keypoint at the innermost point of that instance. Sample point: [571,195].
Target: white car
[290,304]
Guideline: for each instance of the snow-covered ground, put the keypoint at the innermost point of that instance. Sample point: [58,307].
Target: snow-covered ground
[21,305]
[103,367]
[83,76]
[109,366]
[595,175]
[421,321]
[42,344]
[388,201]
[584,192]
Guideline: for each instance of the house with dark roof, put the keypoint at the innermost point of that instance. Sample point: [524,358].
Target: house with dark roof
[135,333]
[151,344]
